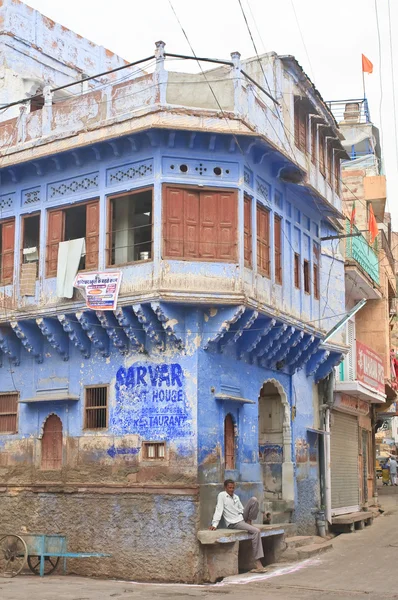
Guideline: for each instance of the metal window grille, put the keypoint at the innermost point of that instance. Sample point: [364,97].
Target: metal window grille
[154,450]
[96,407]
[8,413]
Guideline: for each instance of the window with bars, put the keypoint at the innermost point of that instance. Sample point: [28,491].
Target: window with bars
[263,254]
[278,248]
[306,277]
[8,412]
[297,270]
[229,442]
[96,408]
[154,450]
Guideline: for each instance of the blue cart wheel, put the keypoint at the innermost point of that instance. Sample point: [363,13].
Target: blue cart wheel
[13,555]
[50,564]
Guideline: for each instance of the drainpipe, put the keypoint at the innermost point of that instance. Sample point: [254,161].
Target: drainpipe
[328,398]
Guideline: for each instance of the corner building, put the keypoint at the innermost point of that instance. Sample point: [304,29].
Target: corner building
[117,428]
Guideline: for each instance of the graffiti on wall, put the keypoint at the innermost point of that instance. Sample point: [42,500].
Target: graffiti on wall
[270,453]
[151,401]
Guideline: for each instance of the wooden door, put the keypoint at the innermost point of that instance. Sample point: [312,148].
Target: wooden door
[7,249]
[51,444]
[92,235]
[229,443]
[55,235]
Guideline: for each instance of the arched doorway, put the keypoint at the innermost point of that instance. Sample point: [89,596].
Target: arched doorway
[51,444]
[275,440]
[229,443]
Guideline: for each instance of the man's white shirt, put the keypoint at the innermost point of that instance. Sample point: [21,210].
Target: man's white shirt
[229,507]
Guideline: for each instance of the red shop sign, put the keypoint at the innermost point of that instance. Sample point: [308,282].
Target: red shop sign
[370,368]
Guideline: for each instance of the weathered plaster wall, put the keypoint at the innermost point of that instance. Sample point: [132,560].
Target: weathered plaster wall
[152,537]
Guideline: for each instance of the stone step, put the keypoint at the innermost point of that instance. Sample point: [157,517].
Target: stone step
[298,541]
[303,552]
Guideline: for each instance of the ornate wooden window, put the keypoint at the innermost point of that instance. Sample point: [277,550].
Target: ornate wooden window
[7,240]
[248,230]
[51,444]
[229,443]
[199,224]
[71,223]
[263,245]
[278,248]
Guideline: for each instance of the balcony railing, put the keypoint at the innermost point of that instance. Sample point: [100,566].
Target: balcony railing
[350,111]
[358,249]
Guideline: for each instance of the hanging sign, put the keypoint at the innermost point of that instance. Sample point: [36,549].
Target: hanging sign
[101,289]
[370,368]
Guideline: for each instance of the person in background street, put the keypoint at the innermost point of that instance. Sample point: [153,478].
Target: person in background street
[235,516]
[393,470]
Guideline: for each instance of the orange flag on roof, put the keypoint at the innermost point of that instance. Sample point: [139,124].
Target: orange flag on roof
[367,66]
[372,226]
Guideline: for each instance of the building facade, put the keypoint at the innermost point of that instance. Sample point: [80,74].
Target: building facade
[209,199]
[365,382]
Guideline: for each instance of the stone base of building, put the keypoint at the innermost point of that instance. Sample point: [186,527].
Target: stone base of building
[151,536]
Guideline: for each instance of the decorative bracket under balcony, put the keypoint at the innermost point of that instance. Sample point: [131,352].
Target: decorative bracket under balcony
[217,322]
[328,365]
[239,327]
[252,338]
[131,327]
[97,335]
[76,334]
[10,345]
[56,336]
[305,356]
[268,341]
[114,330]
[286,347]
[316,361]
[172,319]
[150,323]
[30,337]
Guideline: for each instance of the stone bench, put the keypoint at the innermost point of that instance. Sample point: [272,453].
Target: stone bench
[227,551]
[352,521]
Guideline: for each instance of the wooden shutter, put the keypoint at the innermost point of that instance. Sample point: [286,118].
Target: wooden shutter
[303,130]
[7,251]
[191,218]
[227,226]
[247,220]
[55,235]
[297,121]
[278,248]
[229,443]
[336,174]
[173,223]
[313,141]
[92,234]
[263,262]
[322,154]
[51,444]
[209,210]
[297,270]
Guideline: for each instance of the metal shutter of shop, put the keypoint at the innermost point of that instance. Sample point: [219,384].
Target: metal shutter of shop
[344,462]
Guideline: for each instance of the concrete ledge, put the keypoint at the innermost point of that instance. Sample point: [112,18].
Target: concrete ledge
[229,536]
[352,518]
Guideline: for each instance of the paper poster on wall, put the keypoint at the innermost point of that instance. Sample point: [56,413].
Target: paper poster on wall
[101,289]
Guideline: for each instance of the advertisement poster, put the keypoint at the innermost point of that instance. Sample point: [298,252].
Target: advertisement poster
[101,289]
[370,368]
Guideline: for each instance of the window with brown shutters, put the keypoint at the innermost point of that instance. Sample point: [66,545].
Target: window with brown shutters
[51,444]
[199,224]
[229,443]
[263,245]
[297,270]
[248,231]
[313,141]
[336,173]
[306,277]
[129,236]
[300,125]
[278,248]
[329,151]
[7,234]
[8,412]
[72,223]
[316,257]
[322,153]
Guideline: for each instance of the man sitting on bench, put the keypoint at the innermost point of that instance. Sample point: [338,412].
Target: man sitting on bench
[236,517]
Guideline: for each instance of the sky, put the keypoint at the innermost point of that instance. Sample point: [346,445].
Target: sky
[326,36]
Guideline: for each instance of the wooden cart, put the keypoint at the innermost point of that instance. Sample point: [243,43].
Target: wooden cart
[41,552]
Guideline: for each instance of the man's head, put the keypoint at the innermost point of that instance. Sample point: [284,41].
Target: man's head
[229,486]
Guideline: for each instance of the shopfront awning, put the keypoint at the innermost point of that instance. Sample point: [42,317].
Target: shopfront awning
[360,390]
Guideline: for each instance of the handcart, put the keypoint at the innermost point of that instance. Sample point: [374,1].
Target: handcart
[41,552]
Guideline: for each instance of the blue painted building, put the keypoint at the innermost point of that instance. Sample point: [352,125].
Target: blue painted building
[118,427]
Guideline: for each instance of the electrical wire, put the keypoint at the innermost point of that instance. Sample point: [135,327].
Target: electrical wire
[302,39]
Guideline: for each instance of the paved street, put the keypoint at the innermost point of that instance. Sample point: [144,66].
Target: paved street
[361,565]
